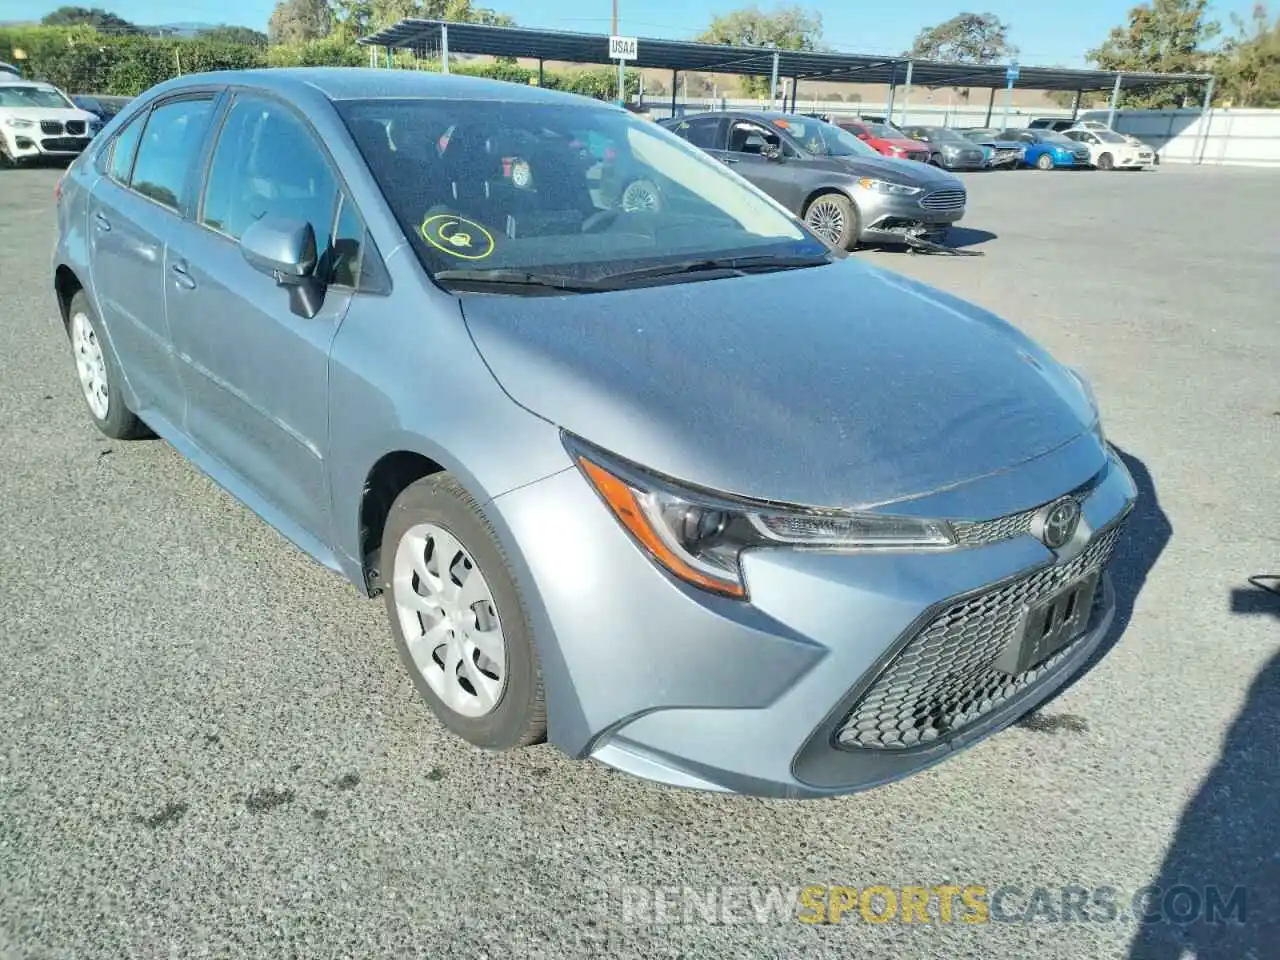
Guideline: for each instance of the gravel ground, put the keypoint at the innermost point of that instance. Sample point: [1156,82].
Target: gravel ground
[209,748]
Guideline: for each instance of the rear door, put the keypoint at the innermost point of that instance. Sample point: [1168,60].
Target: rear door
[255,373]
[133,208]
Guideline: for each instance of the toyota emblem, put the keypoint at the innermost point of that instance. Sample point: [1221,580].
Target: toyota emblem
[1055,525]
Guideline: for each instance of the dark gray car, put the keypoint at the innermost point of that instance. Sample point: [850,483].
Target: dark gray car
[948,148]
[845,191]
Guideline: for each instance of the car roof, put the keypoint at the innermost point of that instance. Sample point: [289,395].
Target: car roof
[366,83]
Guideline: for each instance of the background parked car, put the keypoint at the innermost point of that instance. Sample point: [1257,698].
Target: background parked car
[39,121]
[1110,151]
[1007,153]
[887,140]
[1128,137]
[1060,124]
[9,68]
[104,108]
[844,190]
[948,149]
[1046,149]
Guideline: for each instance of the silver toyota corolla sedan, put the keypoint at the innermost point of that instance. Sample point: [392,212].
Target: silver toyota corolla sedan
[670,484]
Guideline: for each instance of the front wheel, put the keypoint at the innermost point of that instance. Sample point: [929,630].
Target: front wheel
[833,217]
[1044,162]
[1106,162]
[935,159]
[458,619]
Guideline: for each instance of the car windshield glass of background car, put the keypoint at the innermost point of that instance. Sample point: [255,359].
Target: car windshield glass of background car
[1052,136]
[824,139]
[1106,136]
[550,188]
[37,97]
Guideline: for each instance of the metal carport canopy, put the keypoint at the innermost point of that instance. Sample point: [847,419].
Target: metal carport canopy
[683,55]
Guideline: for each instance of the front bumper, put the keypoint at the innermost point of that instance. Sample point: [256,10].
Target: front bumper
[886,217]
[676,685]
[27,143]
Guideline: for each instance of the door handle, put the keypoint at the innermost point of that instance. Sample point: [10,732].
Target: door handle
[102,222]
[181,276]
[728,159]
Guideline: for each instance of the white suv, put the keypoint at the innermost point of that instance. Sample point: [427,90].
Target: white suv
[39,120]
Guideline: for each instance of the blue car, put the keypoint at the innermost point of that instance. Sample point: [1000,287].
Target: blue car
[1047,149]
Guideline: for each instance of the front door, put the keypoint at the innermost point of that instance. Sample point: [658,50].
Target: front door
[745,153]
[255,372]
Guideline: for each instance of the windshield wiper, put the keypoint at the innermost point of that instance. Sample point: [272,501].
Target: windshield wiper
[734,266]
[519,278]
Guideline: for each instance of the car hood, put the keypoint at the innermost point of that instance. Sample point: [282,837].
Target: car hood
[903,143]
[841,385]
[911,172]
[61,114]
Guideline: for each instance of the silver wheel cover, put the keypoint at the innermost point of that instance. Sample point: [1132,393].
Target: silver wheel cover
[449,620]
[826,219]
[91,365]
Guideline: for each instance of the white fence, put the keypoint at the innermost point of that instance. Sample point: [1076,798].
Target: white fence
[1223,136]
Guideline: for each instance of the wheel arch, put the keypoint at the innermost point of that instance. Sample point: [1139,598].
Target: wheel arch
[826,188]
[66,284]
[384,481]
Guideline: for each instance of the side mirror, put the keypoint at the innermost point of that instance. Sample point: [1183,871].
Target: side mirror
[285,249]
[771,152]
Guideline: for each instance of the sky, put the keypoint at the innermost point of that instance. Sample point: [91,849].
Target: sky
[1046,33]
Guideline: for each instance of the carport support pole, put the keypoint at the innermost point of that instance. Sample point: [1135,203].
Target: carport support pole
[542,80]
[1075,106]
[675,82]
[906,94]
[1115,98]
[991,102]
[1203,137]
[773,83]
[444,48]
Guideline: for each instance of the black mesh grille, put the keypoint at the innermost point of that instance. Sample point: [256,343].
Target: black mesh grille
[75,128]
[982,532]
[52,127]
[944,678]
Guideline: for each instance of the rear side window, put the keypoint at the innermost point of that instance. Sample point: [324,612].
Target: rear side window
[122,150]
[169,145]
[267,162]
[701,132]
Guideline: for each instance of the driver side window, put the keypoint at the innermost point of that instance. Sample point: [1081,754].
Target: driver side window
[751,138]
[266,162]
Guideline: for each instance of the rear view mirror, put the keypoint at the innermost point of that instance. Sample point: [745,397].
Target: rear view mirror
[282,247]
[285,249]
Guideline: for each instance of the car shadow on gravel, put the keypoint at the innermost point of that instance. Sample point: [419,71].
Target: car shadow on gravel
[1217,894]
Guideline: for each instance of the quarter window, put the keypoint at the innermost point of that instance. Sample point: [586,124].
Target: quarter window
[169,143]
[267,163]
[123,147]
[348,246]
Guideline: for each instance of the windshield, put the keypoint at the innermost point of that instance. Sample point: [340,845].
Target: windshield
[16,96]
[1106,136]
[576,191]
[824,139]
[883,132]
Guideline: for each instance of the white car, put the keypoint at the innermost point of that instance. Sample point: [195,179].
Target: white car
[1108,150]
[39,120]
[1129,138]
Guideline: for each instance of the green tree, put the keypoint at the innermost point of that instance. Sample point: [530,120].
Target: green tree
[101,20]
[788,27]
[296,21]
[230,34]
[1163,36]
[352,19]
[966,38]
[1249,70]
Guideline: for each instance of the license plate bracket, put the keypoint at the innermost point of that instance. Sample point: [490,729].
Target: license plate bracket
[1046,627]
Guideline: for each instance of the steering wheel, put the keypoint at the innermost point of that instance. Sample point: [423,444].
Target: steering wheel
[599,220]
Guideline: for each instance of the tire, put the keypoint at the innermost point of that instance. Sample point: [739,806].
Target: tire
[99,375]
[1106,162]
[1044,162]
[641,196]
[491,704]
[834,218]
[935,160]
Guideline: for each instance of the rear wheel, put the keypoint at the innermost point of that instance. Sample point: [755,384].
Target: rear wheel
[1106,162]
[1044,162]
[833,217]
[640,196]
[458,619]
[100,379]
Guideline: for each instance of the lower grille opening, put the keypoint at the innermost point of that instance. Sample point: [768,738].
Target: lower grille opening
[945,678]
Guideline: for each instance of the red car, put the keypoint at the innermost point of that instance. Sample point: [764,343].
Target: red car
[885,139]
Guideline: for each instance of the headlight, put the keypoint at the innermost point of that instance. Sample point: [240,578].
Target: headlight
[19,124]
[884,186]
[699,536]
